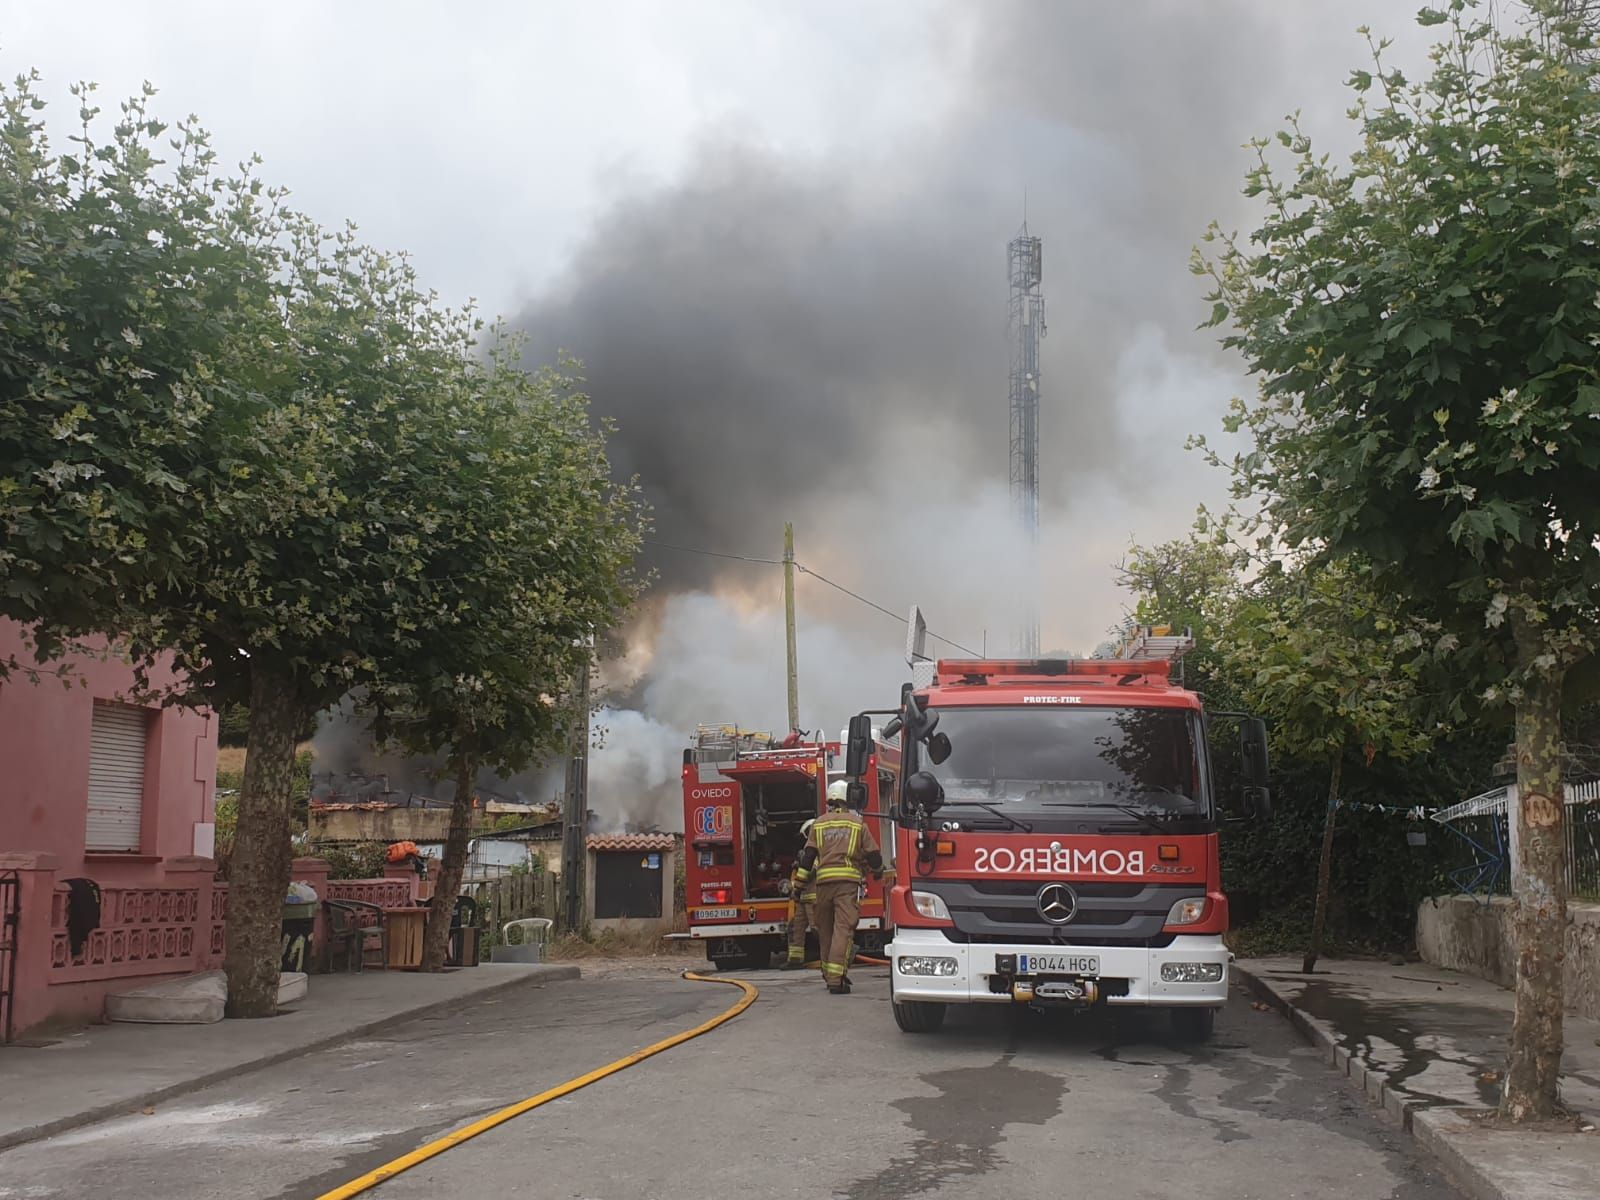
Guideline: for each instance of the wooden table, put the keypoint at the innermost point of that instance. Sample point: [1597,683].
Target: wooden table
[405,936]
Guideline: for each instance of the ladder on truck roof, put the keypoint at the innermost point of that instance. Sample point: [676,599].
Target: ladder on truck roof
[724,743]
[1149,642]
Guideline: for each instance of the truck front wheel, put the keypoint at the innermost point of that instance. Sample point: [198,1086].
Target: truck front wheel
[915,1016]
[918,1016]
[1194,1025]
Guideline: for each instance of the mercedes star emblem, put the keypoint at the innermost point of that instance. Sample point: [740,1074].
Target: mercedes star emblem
[1058,903]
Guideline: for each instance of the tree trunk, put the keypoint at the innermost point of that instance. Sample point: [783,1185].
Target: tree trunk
[436,937]
[259,868]
[1538,894]
[1319,918]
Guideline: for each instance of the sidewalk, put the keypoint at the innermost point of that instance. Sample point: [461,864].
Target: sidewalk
[112,1070]
[1427,1044]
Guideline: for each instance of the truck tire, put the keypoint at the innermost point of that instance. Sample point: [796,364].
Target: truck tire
[918,1016]
[915,1016]
[1194,1025]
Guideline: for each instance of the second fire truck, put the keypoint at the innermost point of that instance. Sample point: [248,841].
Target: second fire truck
[745,798]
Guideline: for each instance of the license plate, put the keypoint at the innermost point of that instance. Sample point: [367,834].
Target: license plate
[715,914]
[1058,964]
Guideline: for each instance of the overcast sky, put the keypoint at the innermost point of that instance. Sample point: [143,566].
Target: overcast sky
[776,235]
[484,138]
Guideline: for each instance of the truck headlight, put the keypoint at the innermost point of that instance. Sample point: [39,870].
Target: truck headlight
[930,905]
[1188,910]
[921,964]
[1182,972]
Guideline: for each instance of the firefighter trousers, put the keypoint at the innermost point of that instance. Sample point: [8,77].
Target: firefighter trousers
[801,919]
[838,909]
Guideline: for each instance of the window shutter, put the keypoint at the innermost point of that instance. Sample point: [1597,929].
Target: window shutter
[116,777]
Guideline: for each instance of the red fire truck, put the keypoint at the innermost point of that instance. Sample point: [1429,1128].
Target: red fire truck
[1056,832]
[745,798]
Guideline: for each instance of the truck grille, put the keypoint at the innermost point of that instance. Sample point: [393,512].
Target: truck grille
[1108,914]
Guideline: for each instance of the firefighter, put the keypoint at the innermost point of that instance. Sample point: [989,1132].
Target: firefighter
[802,911]
[838,852]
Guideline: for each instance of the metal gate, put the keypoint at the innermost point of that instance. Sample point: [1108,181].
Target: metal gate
[10,924]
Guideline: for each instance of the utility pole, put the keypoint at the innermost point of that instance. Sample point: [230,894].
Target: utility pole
[575,816]
[788,622]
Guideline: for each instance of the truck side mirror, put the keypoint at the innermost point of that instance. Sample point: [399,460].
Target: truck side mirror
[1253,744]
[859,749]
[924,794]
[938,748]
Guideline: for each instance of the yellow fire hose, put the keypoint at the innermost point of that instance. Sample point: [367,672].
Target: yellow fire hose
[451,1140]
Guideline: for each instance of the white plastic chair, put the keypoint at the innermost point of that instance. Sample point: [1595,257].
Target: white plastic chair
[535,931]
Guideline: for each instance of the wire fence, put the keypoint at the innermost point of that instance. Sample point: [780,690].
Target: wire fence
[1478,843]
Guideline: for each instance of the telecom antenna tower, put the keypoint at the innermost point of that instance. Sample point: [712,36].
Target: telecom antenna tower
[1026,327]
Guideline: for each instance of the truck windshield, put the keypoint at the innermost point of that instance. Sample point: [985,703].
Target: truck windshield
[1044,760]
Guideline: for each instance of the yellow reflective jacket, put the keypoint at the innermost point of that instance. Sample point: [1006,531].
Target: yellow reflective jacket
[841,848]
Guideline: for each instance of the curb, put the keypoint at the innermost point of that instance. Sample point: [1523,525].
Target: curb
[1426,1129]
[1374,1083]
[1416,1117]
[120,1108]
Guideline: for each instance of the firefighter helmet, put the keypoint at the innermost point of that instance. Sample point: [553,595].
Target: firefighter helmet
[838,793]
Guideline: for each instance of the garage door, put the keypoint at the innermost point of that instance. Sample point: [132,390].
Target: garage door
[627,884]
[116,777]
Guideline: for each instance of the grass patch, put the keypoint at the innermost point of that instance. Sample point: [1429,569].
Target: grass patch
[616,943]
[230,765]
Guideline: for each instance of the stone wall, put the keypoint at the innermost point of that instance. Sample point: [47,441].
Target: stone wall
[379,825]
[1475,936]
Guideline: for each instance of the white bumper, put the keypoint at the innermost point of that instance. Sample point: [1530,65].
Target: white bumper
[1140,967]
[754,929]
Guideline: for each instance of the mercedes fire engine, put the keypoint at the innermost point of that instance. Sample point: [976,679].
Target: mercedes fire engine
[745,798]
[1056,828]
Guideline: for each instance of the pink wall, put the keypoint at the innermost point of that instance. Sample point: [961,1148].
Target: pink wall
[44,744]
[146,926]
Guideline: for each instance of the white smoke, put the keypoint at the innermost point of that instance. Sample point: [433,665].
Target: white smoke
[634,767]
[718,656]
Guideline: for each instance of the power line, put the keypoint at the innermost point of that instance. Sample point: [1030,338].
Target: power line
[886,612]
[775,562]
[805,570]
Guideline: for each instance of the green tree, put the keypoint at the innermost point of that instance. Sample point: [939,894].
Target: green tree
[1190,583]
[306,570]
[1329,667]
[1376,879]
[225,433]
[1423,323]
[122,277]
[540,545]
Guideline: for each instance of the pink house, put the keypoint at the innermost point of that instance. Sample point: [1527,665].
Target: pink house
[105,839]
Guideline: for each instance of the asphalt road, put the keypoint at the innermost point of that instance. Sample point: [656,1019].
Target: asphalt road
[804,1095]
